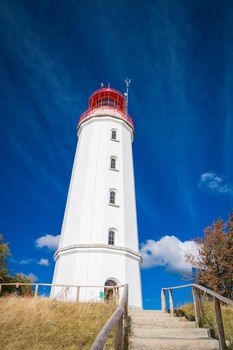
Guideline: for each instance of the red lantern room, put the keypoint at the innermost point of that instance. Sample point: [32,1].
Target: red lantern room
[110,99]
[107,97]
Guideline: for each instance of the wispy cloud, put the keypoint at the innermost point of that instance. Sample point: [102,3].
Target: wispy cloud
[29,275]
[48,241]
[26,261]
[169,251]
[32,276]
[43,262]
[211,182]
[53,90]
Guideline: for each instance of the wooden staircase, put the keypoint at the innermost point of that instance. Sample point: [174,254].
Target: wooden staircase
[152,329]
[159,330]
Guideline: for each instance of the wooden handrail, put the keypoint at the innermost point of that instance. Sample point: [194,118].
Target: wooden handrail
[206,290]
[115,322]
[77,287]
[57,285]
[217,298]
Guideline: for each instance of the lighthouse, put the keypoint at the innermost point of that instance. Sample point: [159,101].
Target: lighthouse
[99,237]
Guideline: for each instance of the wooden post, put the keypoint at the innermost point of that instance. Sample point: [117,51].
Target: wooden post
[118,296]
[163,300]
[118,336]
[77,294]
[65,293]
[126,325]
[171,303]
[197,308]
[126,312]
[218,315]
[36,291]
[114,295]
[0,289]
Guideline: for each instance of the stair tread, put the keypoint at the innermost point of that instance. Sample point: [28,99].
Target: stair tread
[160,324]
[176,333]
[181,344]
[154,329]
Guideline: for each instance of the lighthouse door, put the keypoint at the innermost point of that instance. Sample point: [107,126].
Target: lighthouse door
[110,293]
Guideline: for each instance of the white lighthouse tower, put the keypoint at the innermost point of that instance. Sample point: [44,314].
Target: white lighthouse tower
[99,238]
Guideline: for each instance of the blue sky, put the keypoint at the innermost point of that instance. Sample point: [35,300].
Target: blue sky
[179,55]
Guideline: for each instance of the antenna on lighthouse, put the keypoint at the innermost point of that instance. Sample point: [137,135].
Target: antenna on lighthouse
[127,82]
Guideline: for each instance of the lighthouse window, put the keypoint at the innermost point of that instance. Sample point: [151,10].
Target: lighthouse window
[107,102]
[111,237]
[114,135]
[112,198]
[113,163]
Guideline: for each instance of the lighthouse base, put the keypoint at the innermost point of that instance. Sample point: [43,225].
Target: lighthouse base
[85,273]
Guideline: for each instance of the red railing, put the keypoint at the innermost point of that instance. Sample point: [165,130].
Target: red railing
[105,90]
[124,116]
[108,97]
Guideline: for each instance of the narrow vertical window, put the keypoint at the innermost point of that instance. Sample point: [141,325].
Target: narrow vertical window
[113,163]
[114,135]
[111,237]
[112,198]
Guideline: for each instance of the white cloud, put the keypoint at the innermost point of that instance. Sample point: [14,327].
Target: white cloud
[32,276]
[48,241]
[43,262]
[213,183]
[26,261]
[169,251]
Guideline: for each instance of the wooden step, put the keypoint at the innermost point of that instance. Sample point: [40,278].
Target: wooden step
[150,314]
[157,330]
[174,344]
[161,323]
[172,333]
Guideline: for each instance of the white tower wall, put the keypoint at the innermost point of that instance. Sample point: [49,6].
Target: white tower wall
[84,256]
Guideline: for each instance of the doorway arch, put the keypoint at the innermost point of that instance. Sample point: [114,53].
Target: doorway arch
[110,293]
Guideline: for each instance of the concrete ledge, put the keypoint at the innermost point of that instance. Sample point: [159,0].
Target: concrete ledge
[98,247]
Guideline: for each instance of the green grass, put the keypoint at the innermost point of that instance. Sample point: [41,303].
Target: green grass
[208,318]
[44,324]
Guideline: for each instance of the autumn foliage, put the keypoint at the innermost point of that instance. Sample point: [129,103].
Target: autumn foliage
[5,277]
[4,253]
[213,267]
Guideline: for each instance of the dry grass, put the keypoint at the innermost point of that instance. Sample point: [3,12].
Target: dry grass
[28,323]
[208,318]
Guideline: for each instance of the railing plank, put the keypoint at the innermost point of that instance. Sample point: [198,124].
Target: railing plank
[197,307]
[112,323]
[206,290]
[103,335]
[163,300]
[36,291]
[77,295]
[57,285]
[126,322]
[119,334]
[218,315]
[171,302]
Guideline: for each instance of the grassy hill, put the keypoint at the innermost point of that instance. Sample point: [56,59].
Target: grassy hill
[28,323]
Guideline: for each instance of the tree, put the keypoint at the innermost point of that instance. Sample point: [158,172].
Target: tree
[21,278]
[4,273]
[214,264]
[4,253]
